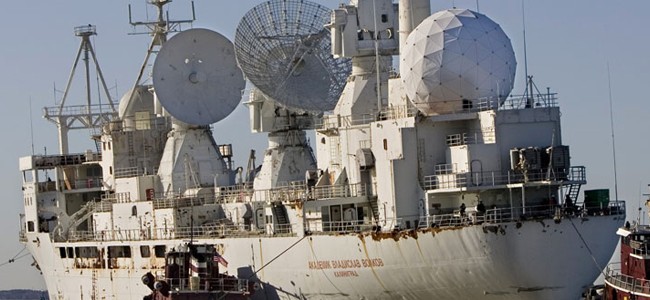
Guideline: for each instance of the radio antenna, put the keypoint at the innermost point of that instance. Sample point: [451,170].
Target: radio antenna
[31,124]
[611,120]
[523,20]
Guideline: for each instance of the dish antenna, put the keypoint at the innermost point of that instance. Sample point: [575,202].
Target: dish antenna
[284,49]
[196,77]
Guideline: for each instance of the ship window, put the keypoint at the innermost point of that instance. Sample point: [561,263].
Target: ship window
[109,145]
[86,252]
[30,226]
[94,171]
[384,18]
[159,250]
[62,252]
[385,144]
[145,251]
[134,211]
[70,251]
[322,141]
[119,251]
[110,170]
[104,145]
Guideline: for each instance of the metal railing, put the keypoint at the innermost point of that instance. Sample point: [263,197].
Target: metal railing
[319,226]
[340,191]
[133,172]
[207,231]
[615,278]
[77,110]
[526,101]
[512,214]
[45,161]
[445,180]
[214,285]
[226,229]
[470,138]
[457,106]
[389,113]
[292,191]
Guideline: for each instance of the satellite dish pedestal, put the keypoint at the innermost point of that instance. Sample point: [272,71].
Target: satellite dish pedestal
[284,49]
[288,155]
[197,81]
[286,160]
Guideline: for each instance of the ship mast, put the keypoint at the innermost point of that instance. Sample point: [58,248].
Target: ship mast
[158,29]
[81,116]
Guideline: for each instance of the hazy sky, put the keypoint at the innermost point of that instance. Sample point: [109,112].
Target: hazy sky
[570,44]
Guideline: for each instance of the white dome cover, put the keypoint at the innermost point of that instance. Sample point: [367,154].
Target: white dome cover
[455,59]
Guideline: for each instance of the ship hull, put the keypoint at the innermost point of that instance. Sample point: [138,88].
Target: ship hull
[539,259]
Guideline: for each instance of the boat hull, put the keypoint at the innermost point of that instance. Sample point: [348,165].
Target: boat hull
[539,259]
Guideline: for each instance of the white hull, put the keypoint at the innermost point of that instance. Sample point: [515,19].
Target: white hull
[539,260]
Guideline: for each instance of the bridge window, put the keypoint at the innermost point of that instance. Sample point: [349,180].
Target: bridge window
[145,251]
[86,252]
[119,251]
[159,250]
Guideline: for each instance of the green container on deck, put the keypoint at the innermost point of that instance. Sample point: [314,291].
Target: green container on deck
[597,198]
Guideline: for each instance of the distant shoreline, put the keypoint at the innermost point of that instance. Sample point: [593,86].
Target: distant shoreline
[23,294]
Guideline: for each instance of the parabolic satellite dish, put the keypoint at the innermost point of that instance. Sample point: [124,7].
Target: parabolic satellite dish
[196,77]
[284,49]
[454,58]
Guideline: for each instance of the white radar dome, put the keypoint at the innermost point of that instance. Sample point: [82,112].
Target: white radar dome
[455,60]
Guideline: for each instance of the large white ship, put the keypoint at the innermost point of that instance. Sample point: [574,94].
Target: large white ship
[430,183]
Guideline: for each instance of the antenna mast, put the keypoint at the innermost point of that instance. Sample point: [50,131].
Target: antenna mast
[158,29]
[611,120]
[81,116]
[529,79]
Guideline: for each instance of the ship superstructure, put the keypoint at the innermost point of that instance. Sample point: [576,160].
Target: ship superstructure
[432,183]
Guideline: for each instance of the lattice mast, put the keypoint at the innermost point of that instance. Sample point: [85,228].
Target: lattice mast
[158,29]
[81,116]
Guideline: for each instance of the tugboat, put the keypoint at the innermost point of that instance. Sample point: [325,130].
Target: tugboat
[193,273]
[629,279]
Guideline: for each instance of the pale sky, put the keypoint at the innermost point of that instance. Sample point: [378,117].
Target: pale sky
[570,44]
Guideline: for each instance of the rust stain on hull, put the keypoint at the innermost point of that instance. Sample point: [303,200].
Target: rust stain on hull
[372,268]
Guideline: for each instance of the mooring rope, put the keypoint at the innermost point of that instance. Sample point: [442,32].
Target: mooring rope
[16,257]
[587,246]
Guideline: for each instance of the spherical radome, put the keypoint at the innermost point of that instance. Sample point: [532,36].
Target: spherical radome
[457,59]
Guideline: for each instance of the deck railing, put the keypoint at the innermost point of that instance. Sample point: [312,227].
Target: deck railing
[213,285]
[512,214]
[319,226]
[206,231]
[499,178]
[457,106]
[470,217]
[615,278]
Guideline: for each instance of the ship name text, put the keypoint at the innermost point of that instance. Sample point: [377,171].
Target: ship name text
[348,264]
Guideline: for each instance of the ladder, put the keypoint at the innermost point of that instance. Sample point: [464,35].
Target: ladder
[374,208]
[280,217]
[573,192]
